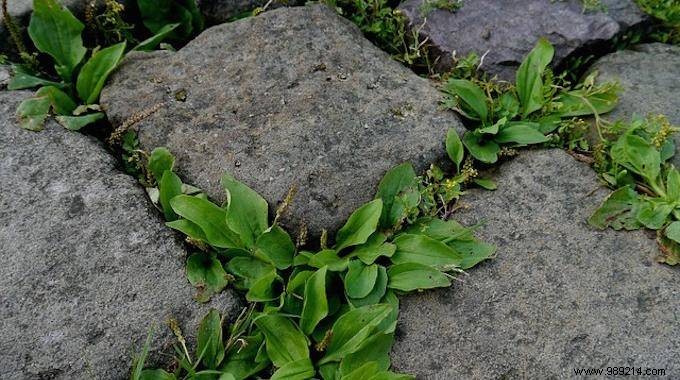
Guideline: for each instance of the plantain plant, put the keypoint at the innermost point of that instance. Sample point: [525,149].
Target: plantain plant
[329,312]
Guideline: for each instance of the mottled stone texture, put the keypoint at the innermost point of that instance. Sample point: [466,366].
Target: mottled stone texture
[509,29]
[649,77]
[293,96]
[87,265]
[558,296]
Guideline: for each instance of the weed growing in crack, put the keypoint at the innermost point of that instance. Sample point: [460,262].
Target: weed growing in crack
[330,312]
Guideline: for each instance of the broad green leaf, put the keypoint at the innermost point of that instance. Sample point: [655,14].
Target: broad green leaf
[96,70]
[485,183]
[413,276]
[298,370]
[376,349]
[249,270]
[32,113]
[670,250]
[210,217]
[673,186]
[360,279]
[618,211]
[653,214]
[152,42]
[454,147]
[472,252]
[376,294]
[160,160]
[23,78]
[55,31]
[473,98]
[484,151]
[330,371]
[351,331]
[247,210]
[169,187]
[205,272]
[673,231]
[62,104]
[365,371]
[389,324]
[520,134]
[156,374]
[330,258]
[315,306]
[529,77]
[424,250]
[374,247]
[580,103]
[241,359]
[285,342]
[360,225]
[297,281]
[276,247]
[188,228]
[443,230]
[265,288]
[395,181]
[638,155]
[389,375]
[209,342]
[75,123]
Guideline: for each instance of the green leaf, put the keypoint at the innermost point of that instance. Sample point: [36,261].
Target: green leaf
[360,279]
[413,276]
[205,272]
[285,342]
[188,228]
[360,225]
[484,151]
[275,246]
[618,211]
[670,250]
[374,247]
[472,96]
[637,155]
[265,288]
[443,230]
[156,374]
[376,294]
[673,231]
[210,217]
[330,258]
[160,160]
[22,78]
[473,252]
[298,370]
[424,250]
[365,371]
[32,113]
[397,180]
[169,187]
[454,147]
[486,183]
[75,123]
[376,349]
[62,104]
[529,77]
[520,134]
[152,42]
[315,306]
[653,214]
[246,210]
[96,70]
[209,342]
[673,186]
[581,103]
[55,31]
[241,359]
[249,270]
[351,331]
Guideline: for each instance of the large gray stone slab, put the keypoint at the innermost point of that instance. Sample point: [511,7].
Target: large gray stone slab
[650,77]
[87,264]
[293,96]
[558,296]
[509,29]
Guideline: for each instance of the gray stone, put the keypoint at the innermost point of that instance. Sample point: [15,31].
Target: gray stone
[509,29]
[558,296]
[650,77]
[293,96]
[87,265]
[5,76]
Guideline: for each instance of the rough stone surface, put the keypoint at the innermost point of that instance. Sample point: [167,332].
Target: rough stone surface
[293,96]
[649,77]
[509,29]
[5,76]
[87,265]
[559,295]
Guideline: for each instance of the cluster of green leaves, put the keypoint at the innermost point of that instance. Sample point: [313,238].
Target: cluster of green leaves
[635,162]
[524,113]
[331,312]
[668,14]
[448,5]
[71,91]
[175,19]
